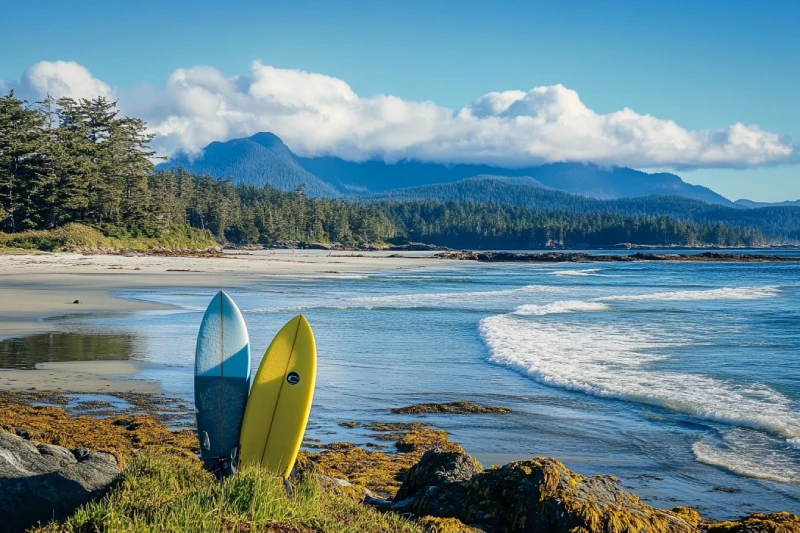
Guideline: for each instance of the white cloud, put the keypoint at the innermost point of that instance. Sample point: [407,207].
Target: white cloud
[63,78]
[317,114]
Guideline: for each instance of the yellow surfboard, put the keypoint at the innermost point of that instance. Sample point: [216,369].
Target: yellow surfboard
[280,399]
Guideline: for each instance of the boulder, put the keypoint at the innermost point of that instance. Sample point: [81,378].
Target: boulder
[431,524]
[41,482]
[528,496]
[435,471]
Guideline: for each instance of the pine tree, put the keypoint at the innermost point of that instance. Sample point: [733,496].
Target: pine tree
[21,162]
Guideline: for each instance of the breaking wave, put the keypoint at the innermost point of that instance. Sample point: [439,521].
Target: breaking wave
[750,456]
[725,293]
[455,296]
[612,362]
[567,306]
[585,272]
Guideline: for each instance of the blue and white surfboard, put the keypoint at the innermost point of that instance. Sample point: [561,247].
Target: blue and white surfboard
[222,380]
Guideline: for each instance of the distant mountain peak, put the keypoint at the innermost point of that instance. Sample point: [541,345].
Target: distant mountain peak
[267,140]
[258,160]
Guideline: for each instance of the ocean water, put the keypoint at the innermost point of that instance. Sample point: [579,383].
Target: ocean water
[681,379]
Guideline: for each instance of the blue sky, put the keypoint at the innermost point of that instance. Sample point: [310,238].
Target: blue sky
[704,65]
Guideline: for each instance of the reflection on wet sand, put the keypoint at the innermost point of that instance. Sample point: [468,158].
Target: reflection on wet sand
[26,352]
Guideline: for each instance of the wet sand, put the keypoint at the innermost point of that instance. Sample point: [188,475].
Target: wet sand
[37,286]
[83,377]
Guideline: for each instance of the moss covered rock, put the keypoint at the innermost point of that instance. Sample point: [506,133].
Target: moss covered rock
[433,524]
[458,408]
[528,496]
[758,523]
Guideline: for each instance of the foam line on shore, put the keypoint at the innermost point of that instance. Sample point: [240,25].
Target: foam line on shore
[450,296]
[562,306]
[724,293]
[612,362]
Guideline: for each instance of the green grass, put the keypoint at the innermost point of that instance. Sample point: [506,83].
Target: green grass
[79,237]
[15,251]
[160,493]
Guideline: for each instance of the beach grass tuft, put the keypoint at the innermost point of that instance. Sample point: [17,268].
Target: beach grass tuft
[164,493]
[80,237]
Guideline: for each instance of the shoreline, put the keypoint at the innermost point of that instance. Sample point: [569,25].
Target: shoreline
[39,287]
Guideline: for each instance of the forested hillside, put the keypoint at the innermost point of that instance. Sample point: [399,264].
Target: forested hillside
[259,160]
[78,161]
[782,222]
[576,178]
[494,226]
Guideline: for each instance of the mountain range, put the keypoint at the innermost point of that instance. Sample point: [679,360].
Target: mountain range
[749,204]
[264,159]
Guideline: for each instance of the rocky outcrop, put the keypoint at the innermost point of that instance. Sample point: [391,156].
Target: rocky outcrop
[580,257]
[418,247]
[758,523]
[456,408]
[302,245]
[40,482]
[438,472]
[528,496]
[433,524]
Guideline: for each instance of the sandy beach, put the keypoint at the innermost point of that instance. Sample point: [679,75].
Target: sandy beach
[37,286]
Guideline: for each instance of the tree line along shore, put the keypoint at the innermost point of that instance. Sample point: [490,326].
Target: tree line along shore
[77,173]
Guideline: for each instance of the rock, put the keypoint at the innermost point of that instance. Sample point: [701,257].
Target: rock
[438,469]
[758,523]
[342,487]
[418,247]
[432,524]
[76,302]
[457,408]
[688,514]
[382,504]
[727,489]
[580,257]
[423,439]
[528,496]
[40,482]
[301,245]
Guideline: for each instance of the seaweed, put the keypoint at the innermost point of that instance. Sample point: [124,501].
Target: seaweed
[459,408]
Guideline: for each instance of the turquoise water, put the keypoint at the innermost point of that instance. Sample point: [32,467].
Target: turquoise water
[679,378]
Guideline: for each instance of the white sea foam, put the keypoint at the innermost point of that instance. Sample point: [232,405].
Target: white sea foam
[725,293]
[750,459]
[584,272]
[794,442]
[427,298]
[564,306]
[275,309]
[323,275]
[297,308]
[612,361]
